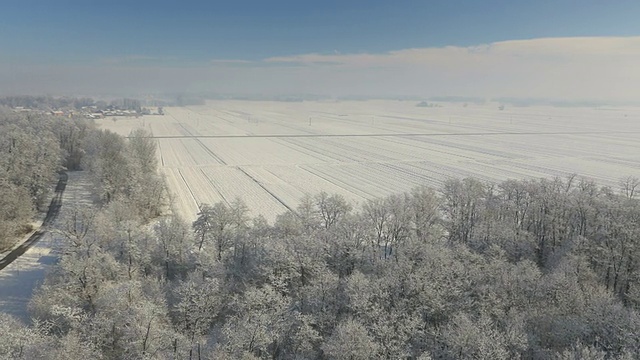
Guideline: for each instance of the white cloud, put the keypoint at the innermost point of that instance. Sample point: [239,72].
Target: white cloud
[540,49]
[567,68]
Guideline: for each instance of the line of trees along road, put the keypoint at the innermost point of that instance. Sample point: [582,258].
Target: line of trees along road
[533,269]
[33,149]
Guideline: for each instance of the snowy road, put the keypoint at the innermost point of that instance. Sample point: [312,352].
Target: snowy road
[20,277]
[52,214]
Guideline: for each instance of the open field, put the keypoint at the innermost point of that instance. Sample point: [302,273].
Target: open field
[271,153]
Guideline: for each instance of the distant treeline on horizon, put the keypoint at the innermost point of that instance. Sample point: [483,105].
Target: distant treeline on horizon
[49,102]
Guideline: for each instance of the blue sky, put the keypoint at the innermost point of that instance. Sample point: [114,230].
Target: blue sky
[183,34]
[253,29]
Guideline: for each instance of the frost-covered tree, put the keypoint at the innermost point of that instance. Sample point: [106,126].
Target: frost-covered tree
[109,164]
[219,224]
[173,242]
[463,201]
[350,341]
[533,269]
[16,210]
[332,208]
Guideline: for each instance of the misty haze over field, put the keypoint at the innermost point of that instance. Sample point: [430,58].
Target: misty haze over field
[569,68]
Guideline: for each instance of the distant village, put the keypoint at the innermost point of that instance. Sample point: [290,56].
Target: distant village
[90,112]
[72,107]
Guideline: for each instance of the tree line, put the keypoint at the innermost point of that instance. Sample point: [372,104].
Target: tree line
[533,269]
[33,149]
[47,103]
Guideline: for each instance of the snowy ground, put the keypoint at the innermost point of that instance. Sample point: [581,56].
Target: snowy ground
[18,280]
[271,153]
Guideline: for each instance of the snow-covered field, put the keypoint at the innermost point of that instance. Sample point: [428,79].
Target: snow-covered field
[271,153]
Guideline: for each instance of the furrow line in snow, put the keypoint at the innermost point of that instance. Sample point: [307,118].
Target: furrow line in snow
[267,190]
[215,157]
[188,187]
[213,185]
[337,182]
[497,133]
